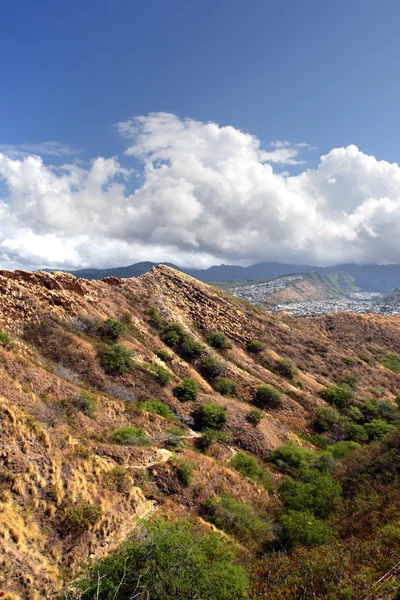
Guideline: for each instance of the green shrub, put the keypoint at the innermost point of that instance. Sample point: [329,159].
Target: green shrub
[352,431]
[286,368]
[184,471]
[342,449]
[5,340]
[183,343]
[129,436]
[337,395]
[316,493]
[255,416]
[111,330]
[354,413]
[324,418]
[300,385]
[80,518]
[247,465]
[390,360]
[348,361]
[291,459]
[117,360]
[302,528]
[238,519]
[167,561]
[157,407]
[210,437]
[254,347]
[211,368]
[267,397]
[210,416]
[163,355]
[155,318]
[218,340]
[349,380]
[397,400]
[225,386]
[187,390]
[377,428]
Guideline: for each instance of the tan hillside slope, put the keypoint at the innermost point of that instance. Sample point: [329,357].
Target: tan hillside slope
[70,487]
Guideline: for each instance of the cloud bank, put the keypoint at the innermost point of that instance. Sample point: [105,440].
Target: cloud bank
[207,194]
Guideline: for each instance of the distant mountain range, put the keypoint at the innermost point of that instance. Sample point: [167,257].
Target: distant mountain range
[373,278]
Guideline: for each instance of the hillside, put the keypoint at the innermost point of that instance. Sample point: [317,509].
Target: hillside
[291,288]
[105,389]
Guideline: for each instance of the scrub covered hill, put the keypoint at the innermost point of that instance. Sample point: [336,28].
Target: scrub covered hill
[155,429]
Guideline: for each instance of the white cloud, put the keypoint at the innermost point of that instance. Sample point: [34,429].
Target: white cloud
[43,149]
[208,195]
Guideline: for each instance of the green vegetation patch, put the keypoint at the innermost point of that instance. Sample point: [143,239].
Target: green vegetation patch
[247,465]
[224,386]
[209,416]
[129,436]
[218,340]
[187,390]
[157,407]
[268,397]
[117,360]
[167,561]
[390,360]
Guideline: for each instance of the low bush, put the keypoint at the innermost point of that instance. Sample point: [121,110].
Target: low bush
[341,449]
[211,368]
[187,390]
[337,395]
[286,368]
[268,397]
[157,407]
[162,375]
[80,518]
[302,528]
[209,416]
[348,380]
[210,437]
[163,355]
[390,360]
[182,342]
[5,340]
[117,360]
[218,340]
[155,318]
[247,465]
[315,493]
[174,437]
[254,347]
[129,436]
[377,428]
[238,519]
[167,561]
[324,418]
[350,362]
[111,330]
[255,416]
[184,471]
[224,386]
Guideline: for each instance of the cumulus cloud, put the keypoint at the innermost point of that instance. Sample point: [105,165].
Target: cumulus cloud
[207,194]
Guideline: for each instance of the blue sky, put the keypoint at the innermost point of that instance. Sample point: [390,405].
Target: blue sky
[321,73]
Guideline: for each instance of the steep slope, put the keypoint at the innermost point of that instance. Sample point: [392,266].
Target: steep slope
[69,488]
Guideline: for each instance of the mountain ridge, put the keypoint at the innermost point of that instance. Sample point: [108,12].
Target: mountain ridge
[372,277]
